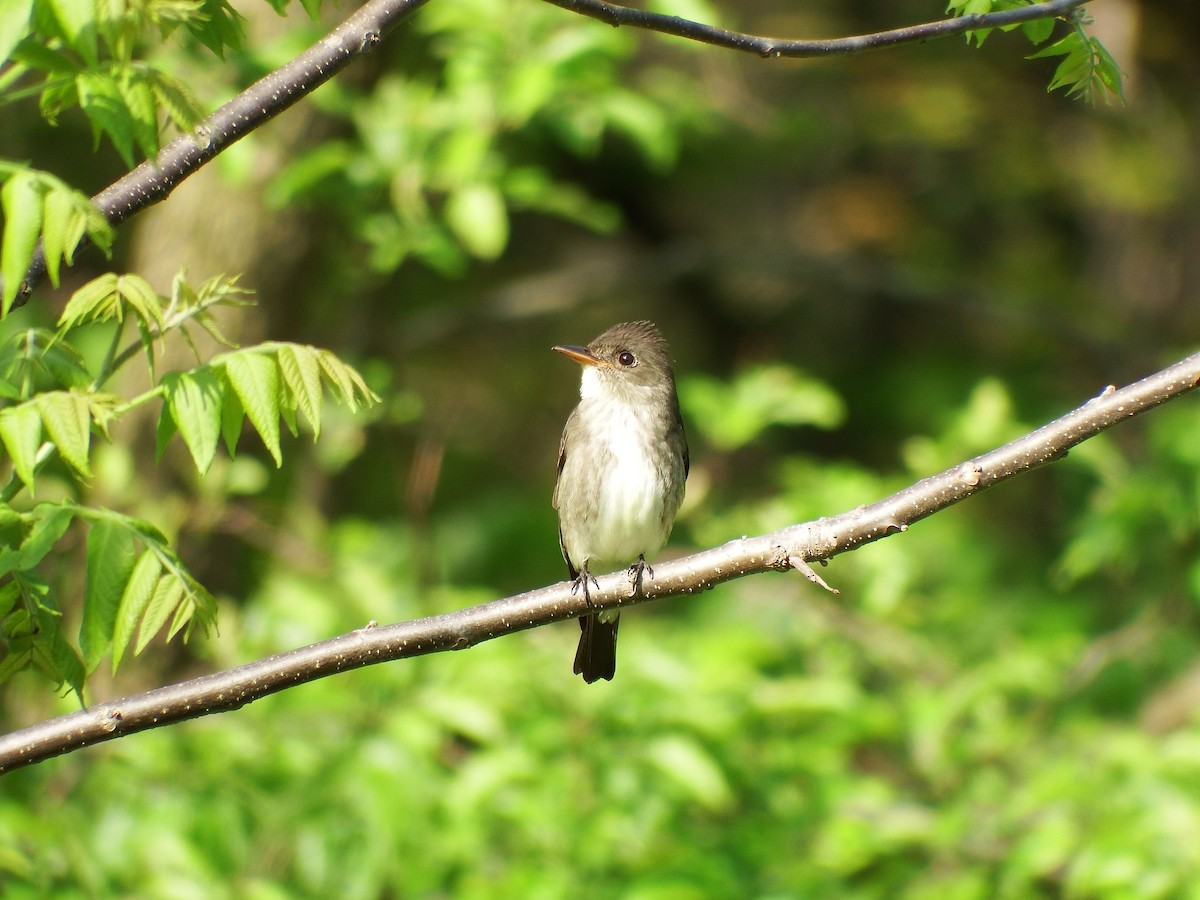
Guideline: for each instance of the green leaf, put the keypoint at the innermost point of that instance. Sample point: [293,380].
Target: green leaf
[68,425]
[52,653]
[194,399]
[255,379]
[111,553]
[111,296]
[479,219]
[21,201]
[143,112]
[9,594]
[21,431]
[61,231]
[50,523]
[164,432]
[18,659]
[77,21]
[348,384]
[135,600]
[14,23]
[732,414]
[1038,30]
[184,111]
[64,364]
[232,418]
[301,368]
[167,594]
[101,101]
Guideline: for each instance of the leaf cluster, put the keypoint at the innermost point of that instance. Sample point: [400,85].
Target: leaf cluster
[1088,71]
[51,406]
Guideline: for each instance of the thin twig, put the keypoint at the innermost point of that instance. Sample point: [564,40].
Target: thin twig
[774,48]
[820,539]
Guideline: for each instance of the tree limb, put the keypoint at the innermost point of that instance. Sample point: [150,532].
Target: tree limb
[773,48]
[153,181]
[779,551]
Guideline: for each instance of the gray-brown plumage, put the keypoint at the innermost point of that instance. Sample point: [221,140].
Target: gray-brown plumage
[622,467]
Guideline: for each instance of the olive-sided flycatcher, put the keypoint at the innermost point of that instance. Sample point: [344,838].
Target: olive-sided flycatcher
[622,466]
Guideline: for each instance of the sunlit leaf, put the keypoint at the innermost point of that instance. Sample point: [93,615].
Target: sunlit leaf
[67,422]
[14,21]
[101,101]
[49,523]
[139,593]
[111,554]
[301,370]
[21,432]
[255,379]
[194,399]
[168,593]
[21,201]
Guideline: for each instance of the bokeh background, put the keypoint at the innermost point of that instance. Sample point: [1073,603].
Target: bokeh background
[869,268]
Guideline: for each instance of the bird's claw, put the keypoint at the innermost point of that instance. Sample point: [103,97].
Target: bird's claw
[636,573]
[581,580]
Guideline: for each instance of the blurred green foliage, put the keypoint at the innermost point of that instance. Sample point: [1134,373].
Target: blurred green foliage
[870,269]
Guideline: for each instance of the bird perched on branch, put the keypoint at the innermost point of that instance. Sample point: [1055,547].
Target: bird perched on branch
[622,467]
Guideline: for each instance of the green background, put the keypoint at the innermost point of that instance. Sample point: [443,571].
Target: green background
[870,268]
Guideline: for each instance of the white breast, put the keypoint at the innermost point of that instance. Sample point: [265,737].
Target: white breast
[627,518]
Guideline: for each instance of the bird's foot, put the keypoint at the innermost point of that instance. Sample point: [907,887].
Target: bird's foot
[636,572]
[581,580]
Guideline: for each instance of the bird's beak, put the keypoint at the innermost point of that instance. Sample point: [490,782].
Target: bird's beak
[581,355]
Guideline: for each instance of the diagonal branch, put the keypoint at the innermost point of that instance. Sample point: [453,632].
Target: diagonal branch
[154,180]
[773,48]
[779,551]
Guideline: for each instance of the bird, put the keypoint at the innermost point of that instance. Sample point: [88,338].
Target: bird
[622,471]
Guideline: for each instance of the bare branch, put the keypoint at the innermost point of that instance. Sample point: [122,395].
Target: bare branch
[773,48]
[777,551]
[153,181]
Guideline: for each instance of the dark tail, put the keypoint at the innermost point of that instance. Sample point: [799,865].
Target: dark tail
[596,657]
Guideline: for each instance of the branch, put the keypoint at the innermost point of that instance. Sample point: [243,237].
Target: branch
[153,181]
[773,48]
[779,551]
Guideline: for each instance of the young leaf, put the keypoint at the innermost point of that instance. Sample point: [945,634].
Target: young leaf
[182,108]
[167,595]
[232,417]
[61,231]
[301,370]
[255,378]
[111,553]
[348,384]
[194,399]
[135,600]
[111,296]
[21,431]
[68,425]
[21,201]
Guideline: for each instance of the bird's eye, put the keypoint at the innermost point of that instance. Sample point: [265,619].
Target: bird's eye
[626,358]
